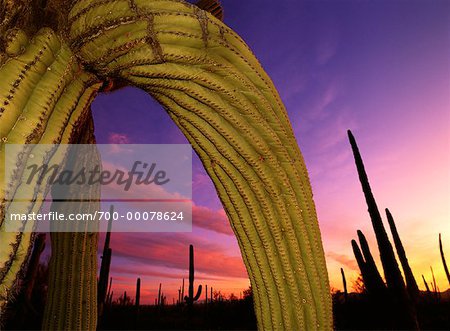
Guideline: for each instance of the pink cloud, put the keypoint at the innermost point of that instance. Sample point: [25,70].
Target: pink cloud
[118,138]
[343,260]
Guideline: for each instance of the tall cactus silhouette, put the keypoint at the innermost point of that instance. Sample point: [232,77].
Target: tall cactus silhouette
[426,284]
[344,283]
[392,272]
[72,285]
[369,271]
[137,300]
[406,315]
[191,298]
[213,88]
[411,283]
[444,263]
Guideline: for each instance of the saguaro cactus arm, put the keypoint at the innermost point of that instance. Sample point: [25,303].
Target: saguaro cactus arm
[217,93]
[44,98]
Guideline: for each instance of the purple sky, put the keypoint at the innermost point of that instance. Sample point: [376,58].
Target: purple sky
[379,68]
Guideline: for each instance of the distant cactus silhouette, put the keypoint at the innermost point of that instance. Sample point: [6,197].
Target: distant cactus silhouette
[369,271]
[426,284]
[33,265]
[411,284]
[191,298]
[434,286]
[218,94]
[443,259]
[138,293]
[72,284]
[401,302]
[102,288]
[344,283]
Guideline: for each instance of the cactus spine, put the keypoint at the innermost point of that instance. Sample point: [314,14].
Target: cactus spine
[190,299]
[444,263]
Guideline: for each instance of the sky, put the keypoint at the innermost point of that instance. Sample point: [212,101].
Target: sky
[379,68]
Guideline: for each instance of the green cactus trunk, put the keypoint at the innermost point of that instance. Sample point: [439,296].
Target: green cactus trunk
[72,290]
[371,277]
[138,293]
[192,298]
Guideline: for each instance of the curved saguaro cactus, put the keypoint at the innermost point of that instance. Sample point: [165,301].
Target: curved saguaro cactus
[215,90]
